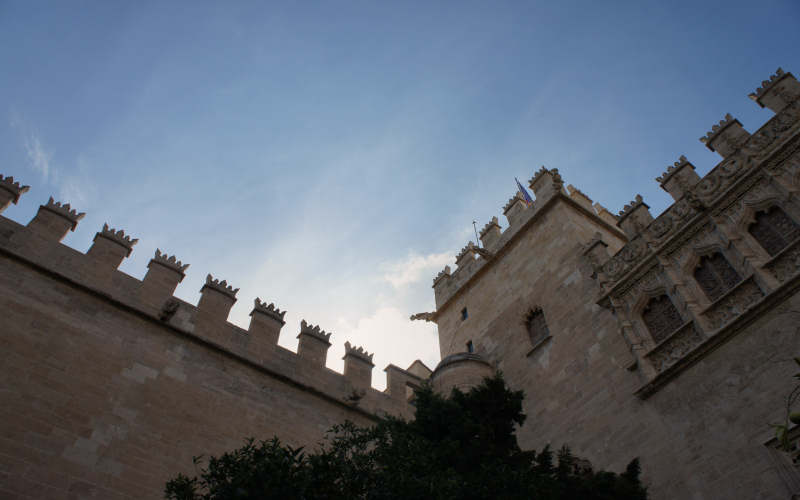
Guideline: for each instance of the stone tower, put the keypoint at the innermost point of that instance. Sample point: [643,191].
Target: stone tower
[666,338]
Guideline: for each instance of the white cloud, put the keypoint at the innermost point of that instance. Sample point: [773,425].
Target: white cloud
[38,157]
[414,268]
[393,338]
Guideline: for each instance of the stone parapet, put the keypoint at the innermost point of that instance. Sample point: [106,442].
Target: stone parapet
[490,233]
[357,366]
[634,217]
[550,186]
[203,325]
[313,343]
[111,247]
[10,191]
[726,137]
[780,90]
[679,178]
[54,220]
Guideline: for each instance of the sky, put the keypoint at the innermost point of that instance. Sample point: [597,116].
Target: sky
[331,156]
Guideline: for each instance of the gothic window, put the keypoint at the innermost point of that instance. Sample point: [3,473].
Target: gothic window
[715,276]
[536,326]
[774,230]
[661,318]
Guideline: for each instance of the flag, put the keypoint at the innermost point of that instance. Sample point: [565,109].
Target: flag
[525,195]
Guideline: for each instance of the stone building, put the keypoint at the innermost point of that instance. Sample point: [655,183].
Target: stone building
[666,338]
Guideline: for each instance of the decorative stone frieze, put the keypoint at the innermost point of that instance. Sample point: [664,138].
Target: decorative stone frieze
[786,264]
[673,348]
[734,303]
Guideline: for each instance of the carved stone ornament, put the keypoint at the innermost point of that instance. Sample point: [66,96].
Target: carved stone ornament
[708,186]
[675,347]
[661,226]
[424,316]
[734,303]
[787,264]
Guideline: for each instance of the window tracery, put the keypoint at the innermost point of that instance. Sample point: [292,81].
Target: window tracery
[661,317]
[715,276]
[774,230]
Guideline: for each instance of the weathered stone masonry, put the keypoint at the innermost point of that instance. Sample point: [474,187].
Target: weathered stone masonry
[669,339]
[110,384]
[666,338]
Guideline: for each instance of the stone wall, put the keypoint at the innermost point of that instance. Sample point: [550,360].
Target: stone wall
[110,385]
[557,302]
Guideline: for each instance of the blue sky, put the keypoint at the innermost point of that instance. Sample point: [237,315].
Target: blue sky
[331,156]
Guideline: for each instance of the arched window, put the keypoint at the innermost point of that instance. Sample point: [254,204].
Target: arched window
[774,230]
[536,326]
[661,318]
[715,276]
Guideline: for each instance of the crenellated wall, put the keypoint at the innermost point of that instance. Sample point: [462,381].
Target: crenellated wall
[668,338]
[111,384]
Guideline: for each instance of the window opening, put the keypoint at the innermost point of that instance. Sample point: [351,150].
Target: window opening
[715,276]
[774,230]
[661,317]
[470,347]
[536,326]
[464,314]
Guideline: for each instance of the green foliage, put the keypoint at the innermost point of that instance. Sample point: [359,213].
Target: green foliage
[782,429]
[462,447]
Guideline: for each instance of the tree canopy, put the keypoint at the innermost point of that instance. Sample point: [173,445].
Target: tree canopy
[460,447]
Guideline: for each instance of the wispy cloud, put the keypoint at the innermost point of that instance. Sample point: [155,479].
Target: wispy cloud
[38,157]
[414,268]
[72,184]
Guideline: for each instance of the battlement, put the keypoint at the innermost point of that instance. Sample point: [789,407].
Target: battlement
[220,286]
[170,261]
[270,310]
[710,216]
[780,90]
[64,210]
[95,272]
[693,195]
[118,237]
[10,191]
[314,331]
[548,186]
[359,352]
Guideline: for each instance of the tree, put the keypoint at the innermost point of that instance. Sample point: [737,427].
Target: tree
[462,447]
[790,417]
